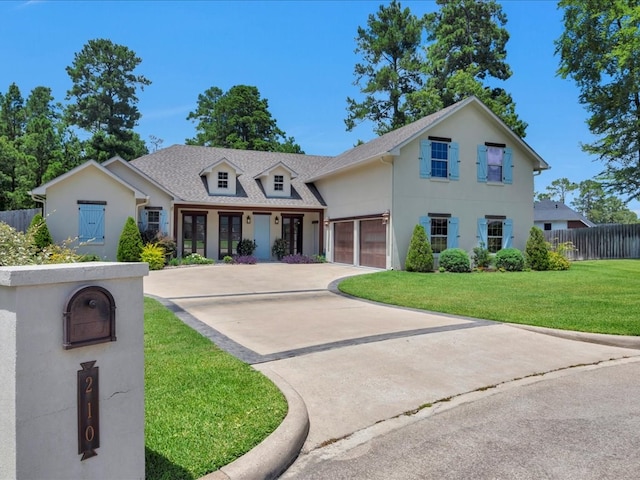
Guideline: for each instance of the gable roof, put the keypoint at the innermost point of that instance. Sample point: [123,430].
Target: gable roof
[550,210]
[42,189]
[120,160]
[178,168]
[390,143]
[266,172]
[223,160]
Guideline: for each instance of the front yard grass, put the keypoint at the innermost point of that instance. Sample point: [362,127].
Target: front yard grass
[204,408]
[592,296]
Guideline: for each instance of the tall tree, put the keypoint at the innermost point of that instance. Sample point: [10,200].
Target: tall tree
[599,207]
[600,51]
[559,188]
[238,119]
[104,90]
[12,113]
[389,75]
[467,50]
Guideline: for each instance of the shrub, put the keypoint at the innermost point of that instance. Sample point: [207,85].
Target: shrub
[455,260]
[537,251]
[16,248]
[153,255]
[558,262]
[245,260]
[89,257]
[130,244]
[481,257]
[174,262]
[228,259]
[319,258]
[297,258]
[168,244]
[40,232]
[419,256]
[196,259]
[510,259]
[246,247]
[279,248]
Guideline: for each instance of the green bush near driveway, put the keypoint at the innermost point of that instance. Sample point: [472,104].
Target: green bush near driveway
[204,408]
[593,296]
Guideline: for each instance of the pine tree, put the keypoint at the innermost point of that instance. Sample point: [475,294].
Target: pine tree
[420,255]
[130,244]
[41,235]
[536,251]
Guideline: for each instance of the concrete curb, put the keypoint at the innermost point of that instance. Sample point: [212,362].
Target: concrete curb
[278,451]
[622,341]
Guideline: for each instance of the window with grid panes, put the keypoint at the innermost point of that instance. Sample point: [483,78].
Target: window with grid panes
[439,159]
[223,180]
[494,235]
[439,234]
[278,183]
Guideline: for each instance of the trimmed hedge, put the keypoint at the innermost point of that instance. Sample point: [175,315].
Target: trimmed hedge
[455,260]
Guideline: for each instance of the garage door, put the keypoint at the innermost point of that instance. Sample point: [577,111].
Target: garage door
[373,243]
[343,242]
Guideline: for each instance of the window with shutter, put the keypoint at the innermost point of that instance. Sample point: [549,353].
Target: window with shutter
[91,222]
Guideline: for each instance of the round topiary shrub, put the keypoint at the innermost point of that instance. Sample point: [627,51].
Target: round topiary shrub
[130,244]
[455,260]
[537,251]
[420,255]
[510,259]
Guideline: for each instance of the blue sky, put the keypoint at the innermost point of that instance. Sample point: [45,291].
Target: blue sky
[300,55]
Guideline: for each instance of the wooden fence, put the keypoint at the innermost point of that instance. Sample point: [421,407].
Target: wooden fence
[603,242]
[19,219]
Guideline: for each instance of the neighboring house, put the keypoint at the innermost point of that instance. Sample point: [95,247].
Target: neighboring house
[552,215]
[460,172]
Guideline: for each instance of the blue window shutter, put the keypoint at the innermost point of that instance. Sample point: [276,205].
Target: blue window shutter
[454,162]
[425,159]
[91,222]
[482,232]
[507,166]
[426,224]
[164,222]
[452,233]
[144,220]
[482,163]
[507,233]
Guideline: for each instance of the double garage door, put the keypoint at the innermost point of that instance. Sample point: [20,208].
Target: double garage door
[372,249]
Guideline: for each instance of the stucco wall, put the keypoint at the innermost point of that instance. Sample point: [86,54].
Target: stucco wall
[467,199]
[89,184]
[38,399]
[157,196]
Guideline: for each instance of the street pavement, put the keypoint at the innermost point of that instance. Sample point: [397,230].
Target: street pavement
[359,366]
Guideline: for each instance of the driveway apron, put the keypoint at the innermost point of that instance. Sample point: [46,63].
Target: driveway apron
[355,363]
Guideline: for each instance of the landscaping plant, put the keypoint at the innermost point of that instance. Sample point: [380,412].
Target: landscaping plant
[454,260]
[510,259]
[130,244]
[40,232]
[153,255]
[481,257]
[279,248]
[537,250]
[420,255]
[246,247]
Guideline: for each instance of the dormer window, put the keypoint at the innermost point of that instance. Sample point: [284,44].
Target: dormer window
[223,180]
[278,183]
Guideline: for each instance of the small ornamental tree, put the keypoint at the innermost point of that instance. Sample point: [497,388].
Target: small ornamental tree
[130,244]
[537,252]
[40,233]
[420,255]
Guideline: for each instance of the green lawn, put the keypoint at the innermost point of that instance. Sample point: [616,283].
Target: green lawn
[593,296]
[204,408]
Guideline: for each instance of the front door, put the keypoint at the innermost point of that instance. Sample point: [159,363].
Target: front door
[230,233]
[262,236]
[292,233]
[194,234]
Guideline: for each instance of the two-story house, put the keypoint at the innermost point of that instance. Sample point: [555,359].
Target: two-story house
[460,172]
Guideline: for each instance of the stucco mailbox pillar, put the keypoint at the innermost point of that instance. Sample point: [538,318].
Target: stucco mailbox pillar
[72,371]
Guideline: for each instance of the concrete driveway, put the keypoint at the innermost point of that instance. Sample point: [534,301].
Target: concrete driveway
[356,363]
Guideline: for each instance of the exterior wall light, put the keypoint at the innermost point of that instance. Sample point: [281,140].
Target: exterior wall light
[277,220]
[326,222]
[385,217]
[248,219]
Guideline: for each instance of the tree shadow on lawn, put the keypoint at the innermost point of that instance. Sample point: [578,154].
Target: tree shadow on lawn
[158,467]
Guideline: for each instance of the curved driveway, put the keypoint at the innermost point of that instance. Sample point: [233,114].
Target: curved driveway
[356,363]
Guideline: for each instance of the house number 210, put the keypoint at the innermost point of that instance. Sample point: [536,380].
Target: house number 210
[88,410]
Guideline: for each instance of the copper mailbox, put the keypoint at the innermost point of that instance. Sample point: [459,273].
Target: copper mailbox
[89,317]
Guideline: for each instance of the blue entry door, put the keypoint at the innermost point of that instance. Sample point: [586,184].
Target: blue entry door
[262,236]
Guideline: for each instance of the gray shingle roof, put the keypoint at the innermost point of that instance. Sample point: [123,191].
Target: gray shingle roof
[550,211]
[178,169]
